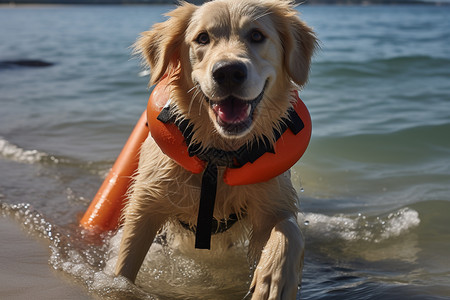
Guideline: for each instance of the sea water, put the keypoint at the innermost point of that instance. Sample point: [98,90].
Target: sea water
[374,183]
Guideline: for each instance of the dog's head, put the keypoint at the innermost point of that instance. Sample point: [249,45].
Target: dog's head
[234,64]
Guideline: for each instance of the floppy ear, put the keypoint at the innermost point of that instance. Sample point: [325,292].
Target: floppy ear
[299,43]
[160,47]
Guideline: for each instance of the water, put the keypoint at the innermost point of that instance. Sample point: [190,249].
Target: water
[374,182]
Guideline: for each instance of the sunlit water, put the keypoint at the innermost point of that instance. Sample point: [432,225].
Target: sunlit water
[374,182]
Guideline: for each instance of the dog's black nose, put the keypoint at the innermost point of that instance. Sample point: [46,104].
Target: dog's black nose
[229,73]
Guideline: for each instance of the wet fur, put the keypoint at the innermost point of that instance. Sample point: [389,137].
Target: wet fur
[163,192]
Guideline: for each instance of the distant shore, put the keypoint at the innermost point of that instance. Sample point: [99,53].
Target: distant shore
[306,2]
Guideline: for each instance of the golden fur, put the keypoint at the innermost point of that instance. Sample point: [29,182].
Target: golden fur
[163,191]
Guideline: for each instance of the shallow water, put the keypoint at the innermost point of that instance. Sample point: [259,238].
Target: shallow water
[374,182]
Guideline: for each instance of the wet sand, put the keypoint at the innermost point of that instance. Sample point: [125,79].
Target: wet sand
[24,269]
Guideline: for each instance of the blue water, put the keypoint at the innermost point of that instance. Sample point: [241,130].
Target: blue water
[374,183]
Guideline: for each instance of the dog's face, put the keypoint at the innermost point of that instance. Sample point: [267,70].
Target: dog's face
[234,54]
[237,59]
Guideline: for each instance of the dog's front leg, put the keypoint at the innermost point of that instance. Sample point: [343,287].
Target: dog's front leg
[278,271]
[138,235]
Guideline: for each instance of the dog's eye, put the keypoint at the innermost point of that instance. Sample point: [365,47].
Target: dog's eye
[256,36]
[203,38]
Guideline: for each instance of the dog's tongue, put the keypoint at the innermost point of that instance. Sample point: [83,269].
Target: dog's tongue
[232,110]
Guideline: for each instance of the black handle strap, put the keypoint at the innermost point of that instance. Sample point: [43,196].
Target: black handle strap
[206,207]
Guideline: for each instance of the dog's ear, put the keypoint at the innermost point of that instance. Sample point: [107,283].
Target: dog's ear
[299,43]
[160,47]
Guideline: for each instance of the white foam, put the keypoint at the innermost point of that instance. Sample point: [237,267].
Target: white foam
[400,222]
[359,227]
[15,153]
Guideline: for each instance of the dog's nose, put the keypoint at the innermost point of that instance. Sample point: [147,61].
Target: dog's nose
[229,73]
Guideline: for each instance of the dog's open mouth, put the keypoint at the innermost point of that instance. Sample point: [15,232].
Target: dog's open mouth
[235,115]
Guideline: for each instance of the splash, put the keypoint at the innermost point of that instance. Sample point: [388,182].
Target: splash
[166,273]
[189,274]
[169,273]
[76,253]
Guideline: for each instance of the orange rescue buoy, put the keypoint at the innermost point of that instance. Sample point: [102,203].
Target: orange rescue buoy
[105,209]
[287,150]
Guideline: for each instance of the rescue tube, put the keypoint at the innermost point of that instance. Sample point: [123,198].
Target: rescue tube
[288,148]
[105,209]
[167,135]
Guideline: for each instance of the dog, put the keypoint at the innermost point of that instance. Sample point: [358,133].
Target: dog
[233,65]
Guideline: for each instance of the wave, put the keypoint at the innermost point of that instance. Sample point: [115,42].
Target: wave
[387,237]
[360,227]
[13,152]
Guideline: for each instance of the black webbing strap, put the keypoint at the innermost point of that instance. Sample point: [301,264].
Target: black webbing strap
[164,115]
[206,207]
[294,122]
[218,226]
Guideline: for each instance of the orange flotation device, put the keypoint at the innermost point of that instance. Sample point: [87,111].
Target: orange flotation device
[104,211]
[286,152]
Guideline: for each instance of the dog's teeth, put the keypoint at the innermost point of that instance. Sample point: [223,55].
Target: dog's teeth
[249,110]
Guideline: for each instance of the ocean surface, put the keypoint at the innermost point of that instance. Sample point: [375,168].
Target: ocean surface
[374,183]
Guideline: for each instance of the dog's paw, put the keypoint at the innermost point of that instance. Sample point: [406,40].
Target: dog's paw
[274,282]
[277,275]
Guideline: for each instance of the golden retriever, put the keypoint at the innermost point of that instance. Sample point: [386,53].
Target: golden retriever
[233,67]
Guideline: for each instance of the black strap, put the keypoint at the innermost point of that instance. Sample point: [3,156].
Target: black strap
[206,207]
[164,114]
[294,122]
[218,226]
